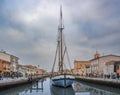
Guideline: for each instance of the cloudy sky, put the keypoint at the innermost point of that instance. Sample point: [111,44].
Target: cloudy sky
[28,29]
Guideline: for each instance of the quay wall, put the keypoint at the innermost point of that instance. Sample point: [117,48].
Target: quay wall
[109,83]
[10,84]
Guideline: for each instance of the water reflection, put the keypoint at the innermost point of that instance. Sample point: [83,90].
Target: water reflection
[26,89]
[79,90]
[43,88]
[17,90]
[95,89]
[61,91]
[36,86]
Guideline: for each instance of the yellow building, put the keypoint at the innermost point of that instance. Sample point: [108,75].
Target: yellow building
[33,70]
[40,71]
[8,63]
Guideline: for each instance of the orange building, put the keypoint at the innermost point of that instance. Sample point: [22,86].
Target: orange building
[8,63]
[80,67]
[5,67]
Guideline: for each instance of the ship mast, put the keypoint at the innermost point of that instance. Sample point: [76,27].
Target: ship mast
[60,42]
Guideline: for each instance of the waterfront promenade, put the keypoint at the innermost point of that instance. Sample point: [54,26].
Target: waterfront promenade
[6,80]
[6,83]
[13,82]
[100,81]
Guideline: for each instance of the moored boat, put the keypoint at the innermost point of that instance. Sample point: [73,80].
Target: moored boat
[62,79]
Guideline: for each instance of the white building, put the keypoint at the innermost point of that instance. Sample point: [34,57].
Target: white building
[4,56]
[97,66]
[23,70]
[14,63]
[112,67]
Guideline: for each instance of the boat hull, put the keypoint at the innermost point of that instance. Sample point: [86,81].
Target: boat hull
[62,81]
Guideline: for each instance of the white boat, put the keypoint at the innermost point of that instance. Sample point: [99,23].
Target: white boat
[62,78]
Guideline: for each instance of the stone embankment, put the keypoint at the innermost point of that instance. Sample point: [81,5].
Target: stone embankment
[7,83]
[100,81]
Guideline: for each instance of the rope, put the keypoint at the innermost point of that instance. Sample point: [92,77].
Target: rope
[55,59]
[67,55]
[69,62]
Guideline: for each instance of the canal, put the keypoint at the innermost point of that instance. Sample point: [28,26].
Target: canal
[43,87]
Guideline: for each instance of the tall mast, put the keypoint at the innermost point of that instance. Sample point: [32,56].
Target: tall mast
[60,29]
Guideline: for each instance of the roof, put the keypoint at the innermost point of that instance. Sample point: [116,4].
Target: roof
[80,61]
[4,52]
[104,56]
[30,66]
[40,69]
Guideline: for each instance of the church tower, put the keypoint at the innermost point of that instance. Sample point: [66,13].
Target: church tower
[96,55]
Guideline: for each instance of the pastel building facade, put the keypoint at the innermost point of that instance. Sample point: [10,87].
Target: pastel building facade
[14,63]
[8,63]
[81,67]
[112,67]
[29,70]
[98,64]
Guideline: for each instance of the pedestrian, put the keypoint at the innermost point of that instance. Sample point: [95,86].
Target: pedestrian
[118,76]
[0,76]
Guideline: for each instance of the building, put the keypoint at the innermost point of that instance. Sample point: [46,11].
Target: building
[29,70]
[8,63]
[40,71]
[5,68]
[14,63]
[23,70]
[88,73]
[112,67]
[97,67]
[81,67]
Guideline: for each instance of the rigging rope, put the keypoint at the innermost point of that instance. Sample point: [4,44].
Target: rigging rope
[67,55]
[55,59]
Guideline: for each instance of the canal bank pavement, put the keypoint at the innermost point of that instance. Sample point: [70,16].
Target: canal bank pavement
[7,80]
[100,79]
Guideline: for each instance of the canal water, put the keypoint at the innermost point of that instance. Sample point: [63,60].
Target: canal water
[43,87]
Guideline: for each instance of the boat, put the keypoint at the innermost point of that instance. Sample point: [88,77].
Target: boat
[61,78]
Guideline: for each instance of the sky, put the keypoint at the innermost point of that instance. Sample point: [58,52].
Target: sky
[29,29]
